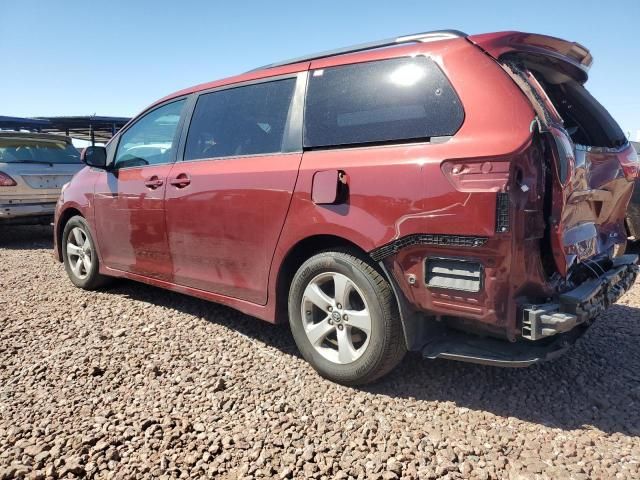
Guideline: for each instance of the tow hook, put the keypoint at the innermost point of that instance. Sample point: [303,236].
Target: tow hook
[541,321]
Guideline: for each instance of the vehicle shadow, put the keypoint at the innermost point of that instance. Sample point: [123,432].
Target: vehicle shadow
[27,237]
[595,385]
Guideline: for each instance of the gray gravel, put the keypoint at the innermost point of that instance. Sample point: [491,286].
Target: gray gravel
[137,382]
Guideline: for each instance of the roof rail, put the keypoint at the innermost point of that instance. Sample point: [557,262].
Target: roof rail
[388,42]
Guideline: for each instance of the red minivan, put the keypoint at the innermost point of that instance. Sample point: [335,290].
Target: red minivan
[458,195]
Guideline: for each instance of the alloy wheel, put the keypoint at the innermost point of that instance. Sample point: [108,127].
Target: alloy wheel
[336,318]
[79,252]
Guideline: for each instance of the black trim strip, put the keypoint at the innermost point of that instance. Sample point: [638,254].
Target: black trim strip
[437,239]
[376,143]
[502,212]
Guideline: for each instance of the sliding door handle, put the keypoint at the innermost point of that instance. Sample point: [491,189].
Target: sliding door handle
[180,181]
[153,182]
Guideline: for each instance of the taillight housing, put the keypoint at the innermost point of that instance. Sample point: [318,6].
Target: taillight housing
[6,180]
[566,160]
[629,164]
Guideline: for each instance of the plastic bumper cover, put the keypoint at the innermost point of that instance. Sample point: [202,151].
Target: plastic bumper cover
[27,214]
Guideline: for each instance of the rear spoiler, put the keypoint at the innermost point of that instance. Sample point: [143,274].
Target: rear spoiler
[570,57]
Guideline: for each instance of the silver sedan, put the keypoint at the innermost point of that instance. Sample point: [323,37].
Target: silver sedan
[33,169]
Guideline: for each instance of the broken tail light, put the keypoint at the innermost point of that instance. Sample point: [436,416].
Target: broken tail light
[565,161]
[6,180]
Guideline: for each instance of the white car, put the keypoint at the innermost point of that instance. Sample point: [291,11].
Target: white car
[33,169]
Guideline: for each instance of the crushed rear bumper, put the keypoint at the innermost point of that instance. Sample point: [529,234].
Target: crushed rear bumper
[581,304]
[548,329]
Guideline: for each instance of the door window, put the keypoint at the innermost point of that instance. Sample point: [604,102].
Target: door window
[381,101]
[249,120]
[152,139]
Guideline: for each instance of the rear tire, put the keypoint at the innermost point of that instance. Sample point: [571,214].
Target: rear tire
[344,318]
[80,256]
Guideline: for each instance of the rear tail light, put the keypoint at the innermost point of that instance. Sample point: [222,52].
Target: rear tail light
[629,164]
[565,162]
[6,180]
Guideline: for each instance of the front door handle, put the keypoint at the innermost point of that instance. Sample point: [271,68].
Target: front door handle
[180,181]
[153,182]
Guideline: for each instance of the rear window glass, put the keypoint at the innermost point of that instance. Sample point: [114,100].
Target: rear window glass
[249,120]
[387,100]
[567,103]
[586,120]
[24,150]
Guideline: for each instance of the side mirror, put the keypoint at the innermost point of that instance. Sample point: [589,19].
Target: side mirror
[95,157]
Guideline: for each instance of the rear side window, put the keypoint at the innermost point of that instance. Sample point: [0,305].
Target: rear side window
[249,120]
[382,101]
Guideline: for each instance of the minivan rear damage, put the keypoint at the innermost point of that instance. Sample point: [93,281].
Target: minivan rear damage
[586,153]
[586,172]
[565,201]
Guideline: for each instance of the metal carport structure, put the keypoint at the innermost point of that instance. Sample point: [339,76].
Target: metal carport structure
[91,128]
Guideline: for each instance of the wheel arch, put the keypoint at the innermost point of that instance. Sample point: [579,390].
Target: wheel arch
[412,321]
[305,249]
[64,218]
[297,255]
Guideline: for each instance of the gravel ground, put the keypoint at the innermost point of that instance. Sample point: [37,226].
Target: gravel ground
[137,382]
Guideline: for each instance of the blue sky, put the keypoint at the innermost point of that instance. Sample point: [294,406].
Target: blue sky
[114,58]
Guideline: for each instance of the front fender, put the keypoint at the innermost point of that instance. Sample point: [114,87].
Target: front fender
[76,198]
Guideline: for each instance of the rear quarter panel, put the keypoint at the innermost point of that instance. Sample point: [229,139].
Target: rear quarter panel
[398,190]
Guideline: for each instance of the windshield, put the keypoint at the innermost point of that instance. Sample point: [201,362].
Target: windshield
[26,150]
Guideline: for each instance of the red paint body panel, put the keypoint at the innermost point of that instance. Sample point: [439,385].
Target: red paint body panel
[225,236]
[511,261]
[224,226]
[576,57]
[399,190]
[76,197]
[130,221]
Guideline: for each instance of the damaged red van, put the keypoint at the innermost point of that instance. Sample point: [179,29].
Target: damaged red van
[458,195]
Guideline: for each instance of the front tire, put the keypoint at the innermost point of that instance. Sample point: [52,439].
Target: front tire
[344,318]
[80,256]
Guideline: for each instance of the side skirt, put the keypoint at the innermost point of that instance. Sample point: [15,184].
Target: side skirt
[263,312]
